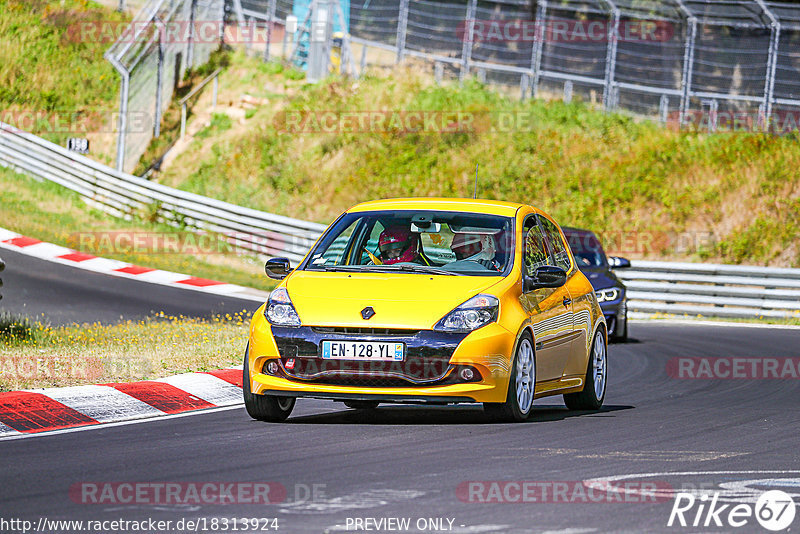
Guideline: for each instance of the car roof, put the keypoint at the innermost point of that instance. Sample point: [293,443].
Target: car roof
[493,207]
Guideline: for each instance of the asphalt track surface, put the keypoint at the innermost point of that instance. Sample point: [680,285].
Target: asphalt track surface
[62,294]
[408,462]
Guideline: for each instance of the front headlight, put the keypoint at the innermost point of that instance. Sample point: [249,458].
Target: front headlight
[279,310]
[478,311]
[607,295]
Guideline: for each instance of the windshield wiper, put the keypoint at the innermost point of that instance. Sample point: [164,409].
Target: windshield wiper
[414,268]
[407,267]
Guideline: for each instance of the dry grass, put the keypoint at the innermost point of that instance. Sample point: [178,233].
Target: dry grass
[93,354]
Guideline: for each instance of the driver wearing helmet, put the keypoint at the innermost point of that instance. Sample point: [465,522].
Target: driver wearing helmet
[479,248]
[398,244]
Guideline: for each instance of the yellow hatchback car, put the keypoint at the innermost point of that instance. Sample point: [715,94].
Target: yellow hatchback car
[438,301]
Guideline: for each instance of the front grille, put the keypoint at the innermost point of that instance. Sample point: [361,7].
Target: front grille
[427,356]
[409,372]
[359,331]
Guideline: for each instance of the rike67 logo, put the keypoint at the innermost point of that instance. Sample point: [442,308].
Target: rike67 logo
[774,510]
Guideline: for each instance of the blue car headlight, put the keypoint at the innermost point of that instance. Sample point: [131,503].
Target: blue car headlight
[608,295]
[280,310]
[478,311]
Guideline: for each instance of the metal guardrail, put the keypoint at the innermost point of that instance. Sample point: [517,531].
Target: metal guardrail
[711,289]
[183,101]
[653,287]
[122,194]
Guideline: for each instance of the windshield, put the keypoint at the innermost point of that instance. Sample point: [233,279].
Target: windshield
[425,242]
[586,248]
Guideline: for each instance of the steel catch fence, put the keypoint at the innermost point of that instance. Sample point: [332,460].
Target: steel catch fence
[710,63]
[152,56]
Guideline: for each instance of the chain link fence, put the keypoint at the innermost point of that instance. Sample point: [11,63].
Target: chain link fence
[152,54]
[709,63]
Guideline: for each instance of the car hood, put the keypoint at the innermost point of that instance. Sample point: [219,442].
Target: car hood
[601,277]
[401,300]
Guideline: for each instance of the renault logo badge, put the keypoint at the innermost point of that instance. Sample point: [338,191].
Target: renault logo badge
[367,313]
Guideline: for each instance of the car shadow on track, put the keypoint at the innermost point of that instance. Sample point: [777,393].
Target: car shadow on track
[424,415]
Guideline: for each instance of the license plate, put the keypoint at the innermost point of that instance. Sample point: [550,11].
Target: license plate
[362,351]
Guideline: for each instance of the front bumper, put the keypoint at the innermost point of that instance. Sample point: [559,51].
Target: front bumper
[429,374]
[615,313]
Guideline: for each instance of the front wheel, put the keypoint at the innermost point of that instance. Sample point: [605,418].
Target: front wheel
[594,389]
[264,407]
[521,386]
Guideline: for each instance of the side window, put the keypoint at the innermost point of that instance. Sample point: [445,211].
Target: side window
[557,246]
[334,255]
[535,252]
[372,244]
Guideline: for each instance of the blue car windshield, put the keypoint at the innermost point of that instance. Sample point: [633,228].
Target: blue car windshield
[586,248]
[414,241]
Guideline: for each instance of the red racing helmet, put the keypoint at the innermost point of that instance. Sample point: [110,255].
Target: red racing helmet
[398,244]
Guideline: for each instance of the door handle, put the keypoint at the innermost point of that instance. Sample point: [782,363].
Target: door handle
[567,301]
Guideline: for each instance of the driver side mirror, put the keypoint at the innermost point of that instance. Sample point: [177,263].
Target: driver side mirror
[616,262]
[544,276]
[277,268]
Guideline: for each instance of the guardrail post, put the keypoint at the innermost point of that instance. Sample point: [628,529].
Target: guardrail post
[183,120]
[688,65]
[216,91]
[402,29]
[469,35]
[538,46]
[273,5]
[190,40]
[160,28]
[663,109]
[122,123]
[611,57]
[772,63]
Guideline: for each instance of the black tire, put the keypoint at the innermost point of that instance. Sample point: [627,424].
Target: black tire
[621,336]
[510,410]
[264,407]
[361,405]
[588,399]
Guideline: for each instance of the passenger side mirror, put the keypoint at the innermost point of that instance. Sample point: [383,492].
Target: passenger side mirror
[615,262]
[545,276]
[277,268]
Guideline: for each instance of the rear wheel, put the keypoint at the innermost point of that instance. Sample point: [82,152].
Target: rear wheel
[519,401]
[361,405]
[594,389]
[264,407]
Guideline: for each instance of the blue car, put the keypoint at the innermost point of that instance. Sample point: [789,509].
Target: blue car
[611,292]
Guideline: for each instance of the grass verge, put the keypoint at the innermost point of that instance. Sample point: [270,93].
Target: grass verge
[160,346]
[50,72]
